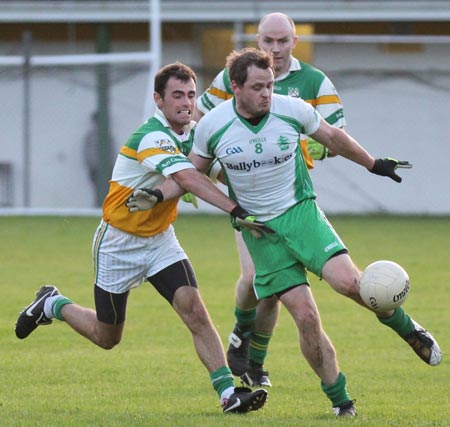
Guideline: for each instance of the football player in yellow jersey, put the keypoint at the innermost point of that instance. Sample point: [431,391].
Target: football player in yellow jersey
[248,343]
[131,247]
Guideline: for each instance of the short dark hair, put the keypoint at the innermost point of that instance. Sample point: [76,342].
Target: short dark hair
[239,61]
[177,70]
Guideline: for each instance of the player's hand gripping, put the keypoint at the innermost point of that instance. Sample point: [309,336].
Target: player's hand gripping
[190,198]
[242,218]
[144,199]
[316,150]
[387,167]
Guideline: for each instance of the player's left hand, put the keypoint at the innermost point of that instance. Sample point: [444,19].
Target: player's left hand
[387,167]
[190,198]
[144,199]
[243,219]
[317,150]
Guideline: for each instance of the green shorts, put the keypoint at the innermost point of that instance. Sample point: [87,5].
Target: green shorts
[303,240]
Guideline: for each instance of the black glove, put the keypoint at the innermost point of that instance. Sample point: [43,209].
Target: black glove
[144,199]
[241,218]
[387,166]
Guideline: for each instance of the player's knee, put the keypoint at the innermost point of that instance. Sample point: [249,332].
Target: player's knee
[199,315]
[310,319]
[341,273]
[194,315]
[246,280]
[269,304]
[307,319]
[108,343]
[344,280]
[107,337]
[247,274]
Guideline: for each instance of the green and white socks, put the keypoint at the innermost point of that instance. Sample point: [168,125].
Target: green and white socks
[53,306]
[223,382]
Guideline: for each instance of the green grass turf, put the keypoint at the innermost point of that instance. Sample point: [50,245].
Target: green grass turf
[153,378]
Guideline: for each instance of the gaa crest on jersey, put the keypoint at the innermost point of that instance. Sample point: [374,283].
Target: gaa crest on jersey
[294,92]
[283,143]
[166,145]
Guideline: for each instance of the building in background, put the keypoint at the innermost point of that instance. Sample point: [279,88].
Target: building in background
[395,91]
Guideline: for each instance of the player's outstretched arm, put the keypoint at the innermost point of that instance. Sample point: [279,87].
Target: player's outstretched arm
[199,184]
[193,181]
[346,146]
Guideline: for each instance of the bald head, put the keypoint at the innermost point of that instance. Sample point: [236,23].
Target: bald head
[276,22]
[276,36]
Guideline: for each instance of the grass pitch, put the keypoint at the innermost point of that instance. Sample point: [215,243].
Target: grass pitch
[153,378]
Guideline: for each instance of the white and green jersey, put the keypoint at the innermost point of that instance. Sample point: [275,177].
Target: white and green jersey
[263,164]
[301,81]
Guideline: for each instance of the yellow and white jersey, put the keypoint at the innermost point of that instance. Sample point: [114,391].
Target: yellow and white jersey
[151,154]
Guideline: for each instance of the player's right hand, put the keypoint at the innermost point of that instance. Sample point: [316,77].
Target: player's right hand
[144,199]
[241,218]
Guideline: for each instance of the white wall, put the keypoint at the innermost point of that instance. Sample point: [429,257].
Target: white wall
[391,116]
[62,101]
[405,117]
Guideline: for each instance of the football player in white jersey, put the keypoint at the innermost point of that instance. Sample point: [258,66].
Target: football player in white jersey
[132,247]
[255,138]
[249,341]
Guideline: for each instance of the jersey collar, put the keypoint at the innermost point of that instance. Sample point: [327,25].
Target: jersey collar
[293,66]
[159,115]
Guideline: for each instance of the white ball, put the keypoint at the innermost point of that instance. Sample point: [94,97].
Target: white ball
[384,285]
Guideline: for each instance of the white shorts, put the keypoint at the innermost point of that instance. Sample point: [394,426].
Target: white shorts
[123,261]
